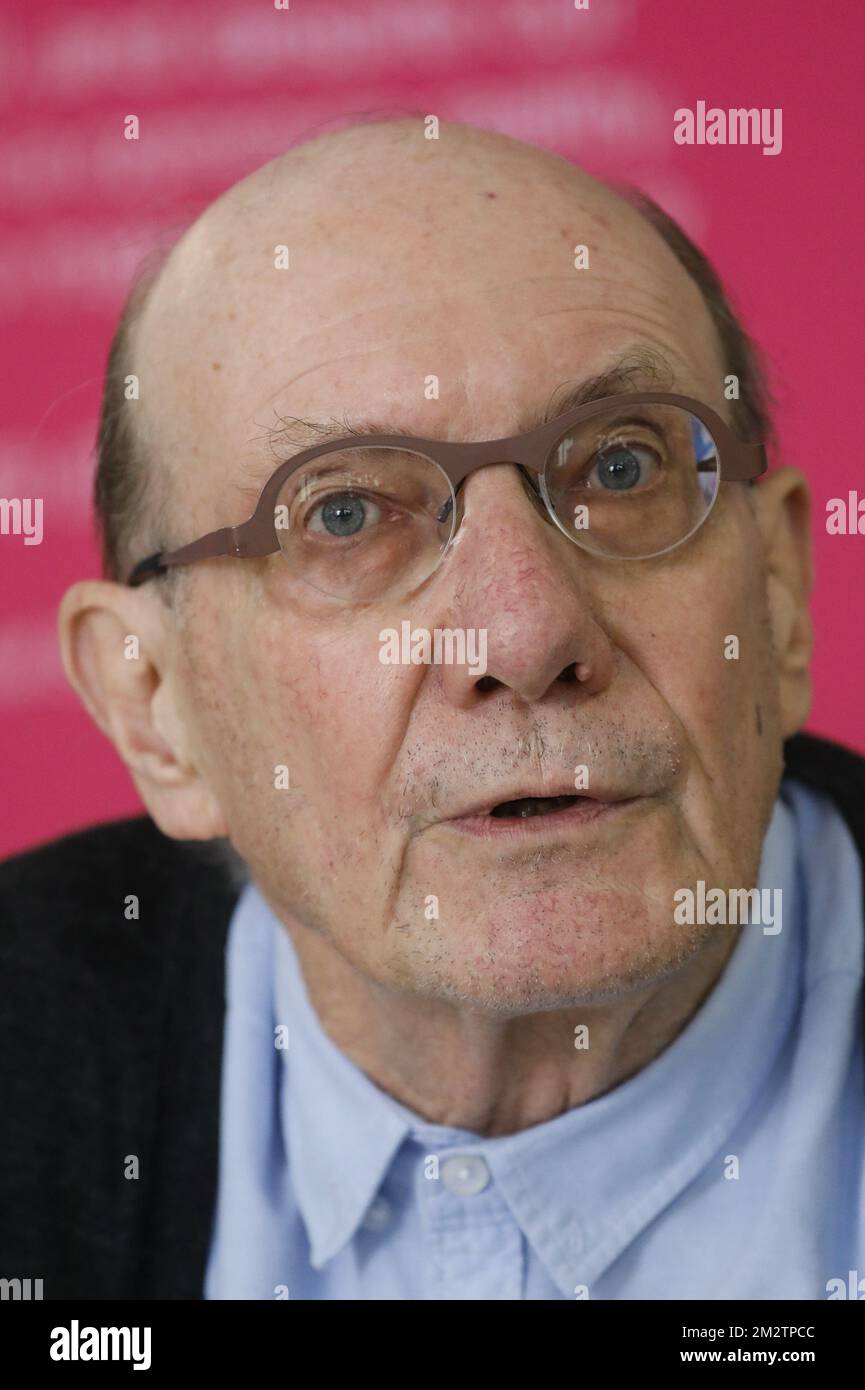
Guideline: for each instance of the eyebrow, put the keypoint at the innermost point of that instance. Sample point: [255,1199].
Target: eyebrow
[637,369]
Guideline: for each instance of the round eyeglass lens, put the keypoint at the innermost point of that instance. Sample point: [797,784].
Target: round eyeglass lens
[366,523]
[633,481]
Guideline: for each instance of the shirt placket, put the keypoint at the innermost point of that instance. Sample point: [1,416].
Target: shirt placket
[473,1247]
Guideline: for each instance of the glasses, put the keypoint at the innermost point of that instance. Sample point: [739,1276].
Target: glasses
[628,477]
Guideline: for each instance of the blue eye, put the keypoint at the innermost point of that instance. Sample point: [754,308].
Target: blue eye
[621,467]
[343,514]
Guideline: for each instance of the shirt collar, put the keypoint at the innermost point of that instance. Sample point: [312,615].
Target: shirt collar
[580,1186]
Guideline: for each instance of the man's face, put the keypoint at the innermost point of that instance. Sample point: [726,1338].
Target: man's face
[461,269]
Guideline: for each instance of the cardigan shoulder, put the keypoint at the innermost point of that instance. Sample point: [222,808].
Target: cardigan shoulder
[112,948]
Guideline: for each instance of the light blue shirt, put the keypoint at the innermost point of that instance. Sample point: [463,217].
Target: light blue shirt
[733,1166]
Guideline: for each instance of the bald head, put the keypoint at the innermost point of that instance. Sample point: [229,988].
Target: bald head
[329,266]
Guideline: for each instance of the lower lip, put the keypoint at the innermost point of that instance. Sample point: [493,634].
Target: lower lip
[519,828]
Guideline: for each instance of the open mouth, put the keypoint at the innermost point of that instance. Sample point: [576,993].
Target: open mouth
[538,815]
[529,806]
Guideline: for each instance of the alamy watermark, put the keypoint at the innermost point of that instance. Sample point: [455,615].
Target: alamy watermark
[76,1343]
[719,907]
[738,126]
[22,516]
[444,646]
[20,1290]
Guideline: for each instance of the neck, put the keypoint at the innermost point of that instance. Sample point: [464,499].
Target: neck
[494,1075]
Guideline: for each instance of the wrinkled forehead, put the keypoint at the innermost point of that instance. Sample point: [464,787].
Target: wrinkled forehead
[498,284]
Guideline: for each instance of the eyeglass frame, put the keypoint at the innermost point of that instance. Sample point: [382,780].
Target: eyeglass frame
[738,461]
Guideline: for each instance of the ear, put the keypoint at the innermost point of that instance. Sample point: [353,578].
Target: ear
[782,506]
[116,647]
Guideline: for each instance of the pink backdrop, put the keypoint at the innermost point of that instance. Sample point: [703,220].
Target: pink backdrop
[220,86]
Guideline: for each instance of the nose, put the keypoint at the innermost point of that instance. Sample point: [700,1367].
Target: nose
[519,583]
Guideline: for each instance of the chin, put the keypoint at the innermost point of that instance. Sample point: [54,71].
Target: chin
[532,957]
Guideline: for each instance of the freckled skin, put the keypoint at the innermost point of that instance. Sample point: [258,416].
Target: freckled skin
[482,292]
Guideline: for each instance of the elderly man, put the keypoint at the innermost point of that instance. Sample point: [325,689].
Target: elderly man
[526,963]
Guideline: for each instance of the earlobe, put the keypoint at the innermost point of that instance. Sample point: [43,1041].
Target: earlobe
[116,655]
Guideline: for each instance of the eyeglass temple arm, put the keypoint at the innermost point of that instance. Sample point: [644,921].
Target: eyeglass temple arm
[222,542]
[745,463]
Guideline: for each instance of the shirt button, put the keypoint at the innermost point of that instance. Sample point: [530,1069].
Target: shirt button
[378,1215]
[465,1174]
